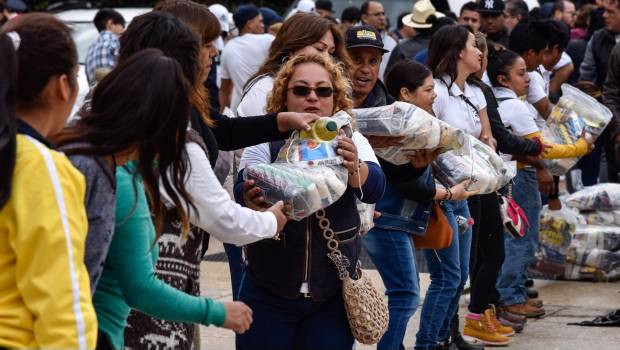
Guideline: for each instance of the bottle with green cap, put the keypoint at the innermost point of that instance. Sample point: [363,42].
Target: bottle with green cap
[323,129]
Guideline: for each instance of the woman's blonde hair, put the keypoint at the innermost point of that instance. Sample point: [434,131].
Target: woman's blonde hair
[276,101]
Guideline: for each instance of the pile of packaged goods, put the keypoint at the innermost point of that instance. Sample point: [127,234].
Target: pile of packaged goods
[594,252]
[419,130]
[308,174]
[576,114]
[556,231]
[477,163]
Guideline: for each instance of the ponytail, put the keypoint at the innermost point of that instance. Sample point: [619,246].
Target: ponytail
[500,60]
[8,149]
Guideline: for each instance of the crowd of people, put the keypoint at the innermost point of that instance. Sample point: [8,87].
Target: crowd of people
[105,216]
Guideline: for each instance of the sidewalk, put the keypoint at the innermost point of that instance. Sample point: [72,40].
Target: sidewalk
[564,301]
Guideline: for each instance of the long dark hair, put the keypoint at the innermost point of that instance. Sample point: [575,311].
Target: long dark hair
[444,49]
[8,148]
[297,32]
[161,30]
[143,106]
[45,50]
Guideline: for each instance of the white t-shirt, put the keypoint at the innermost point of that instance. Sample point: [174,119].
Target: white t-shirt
[241,58]
[514,112]
[539,89]
[389,44]
[216,212]
[450,106]
[564,60]
[254,101]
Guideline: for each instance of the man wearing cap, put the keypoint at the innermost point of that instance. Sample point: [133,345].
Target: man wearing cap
[373,14]
[243,55]
[365,47]
[421,20]
[324,8]
[492,16]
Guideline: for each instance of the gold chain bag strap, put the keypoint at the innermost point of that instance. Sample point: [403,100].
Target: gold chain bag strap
[366,311]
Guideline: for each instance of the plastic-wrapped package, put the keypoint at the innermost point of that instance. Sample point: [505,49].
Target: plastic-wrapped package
[419,129]
[574,113]
[308,174]
[594,253]
[599,217]
[603,196]
[366,212]
[597,237]
[556,229]
[476,162]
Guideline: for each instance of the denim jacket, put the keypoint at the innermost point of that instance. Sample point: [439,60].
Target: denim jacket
[402,214]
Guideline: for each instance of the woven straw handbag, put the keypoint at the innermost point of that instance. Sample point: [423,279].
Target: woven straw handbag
[367,312]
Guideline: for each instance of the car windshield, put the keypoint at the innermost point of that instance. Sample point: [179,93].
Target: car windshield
[84,34]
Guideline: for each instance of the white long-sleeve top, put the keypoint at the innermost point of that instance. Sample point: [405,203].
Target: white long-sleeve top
[216,212]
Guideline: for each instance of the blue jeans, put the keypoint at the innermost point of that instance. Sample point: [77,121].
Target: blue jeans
[520,251]
[393,254]
[236,267]
[287,324]
[449,269]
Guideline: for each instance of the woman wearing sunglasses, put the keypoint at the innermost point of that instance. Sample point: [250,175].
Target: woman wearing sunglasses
[290,284]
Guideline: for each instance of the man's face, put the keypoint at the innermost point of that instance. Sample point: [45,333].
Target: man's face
[255,25]
[324,13]
[612,15]
[375,16]
[551,57]
[492,23]
[568,16]
[364,70]
[534,59]
[470,18]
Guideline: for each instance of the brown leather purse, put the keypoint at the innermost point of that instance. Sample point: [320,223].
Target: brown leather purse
[438,232]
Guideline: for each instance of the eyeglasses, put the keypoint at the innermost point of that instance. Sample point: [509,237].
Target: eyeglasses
[320,91]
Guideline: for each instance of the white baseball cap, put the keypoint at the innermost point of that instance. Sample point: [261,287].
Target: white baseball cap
[222,15]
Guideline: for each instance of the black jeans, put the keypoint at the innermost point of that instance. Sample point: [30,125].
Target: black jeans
[487,250]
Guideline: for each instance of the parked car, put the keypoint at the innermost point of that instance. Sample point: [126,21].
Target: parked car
[85,33]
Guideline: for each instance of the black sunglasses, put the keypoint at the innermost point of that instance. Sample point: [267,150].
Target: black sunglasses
[303,91]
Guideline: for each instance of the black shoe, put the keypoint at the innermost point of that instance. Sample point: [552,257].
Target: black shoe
[461,344]
[529,283]
[531,293]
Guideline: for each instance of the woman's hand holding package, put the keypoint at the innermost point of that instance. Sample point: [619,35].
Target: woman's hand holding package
[460,192]
[422,158]
[238,317]
[489,140]
[357,169]
[295,121]
[253,196]
[278,211]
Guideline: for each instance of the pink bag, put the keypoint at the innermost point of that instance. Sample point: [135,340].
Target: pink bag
[513,216]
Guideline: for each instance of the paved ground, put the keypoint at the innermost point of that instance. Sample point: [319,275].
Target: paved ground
[564,301]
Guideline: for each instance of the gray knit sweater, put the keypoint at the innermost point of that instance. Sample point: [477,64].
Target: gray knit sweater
[100,203]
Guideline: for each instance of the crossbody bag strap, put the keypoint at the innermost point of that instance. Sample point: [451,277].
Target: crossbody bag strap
[340,261]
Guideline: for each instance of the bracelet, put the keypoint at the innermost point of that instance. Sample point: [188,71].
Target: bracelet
[359,166]
[450,194]
[446,194]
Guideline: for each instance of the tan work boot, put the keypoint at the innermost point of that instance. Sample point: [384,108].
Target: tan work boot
[499,327]
[483,332]
[525,310]
[537,303]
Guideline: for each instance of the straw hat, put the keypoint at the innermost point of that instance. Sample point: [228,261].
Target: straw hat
[422,10]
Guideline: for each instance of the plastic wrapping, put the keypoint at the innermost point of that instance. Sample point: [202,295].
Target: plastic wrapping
[366,212]
[604,196]
[308,174]
[476,162]
[419,129]
[600,217]
[556,230]
[594,253]
[574,113]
